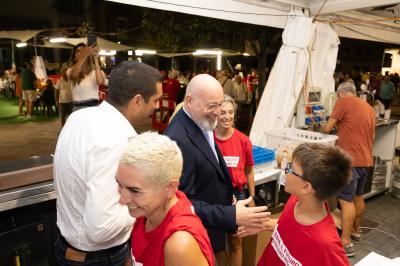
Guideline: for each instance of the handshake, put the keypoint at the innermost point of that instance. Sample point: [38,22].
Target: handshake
[252,220]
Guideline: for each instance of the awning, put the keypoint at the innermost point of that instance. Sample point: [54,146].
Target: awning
[19,35]
[103,44]
[274,13]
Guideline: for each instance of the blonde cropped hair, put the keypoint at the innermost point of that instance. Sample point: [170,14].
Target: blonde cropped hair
[229,99]
[156,156]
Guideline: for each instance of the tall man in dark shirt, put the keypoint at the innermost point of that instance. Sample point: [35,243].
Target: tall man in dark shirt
[28,79]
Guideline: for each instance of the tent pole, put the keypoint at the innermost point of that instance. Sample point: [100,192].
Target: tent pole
[34,45]
[12,52]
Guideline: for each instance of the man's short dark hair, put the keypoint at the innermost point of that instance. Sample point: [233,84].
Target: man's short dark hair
[326,167]
[130,78]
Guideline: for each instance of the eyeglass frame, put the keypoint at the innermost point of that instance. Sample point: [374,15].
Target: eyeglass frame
[211,107]
[289,170]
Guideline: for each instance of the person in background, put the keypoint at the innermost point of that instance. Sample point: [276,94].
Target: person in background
[206,180]
[225,81]
[28,80]
[18,92]
[173,86]
[305,233]
[85,75]
[166,230]
[94,226]
[375,85]
[355,121]
[64,96]
[239,89]
[387,92]
[48,98]
[237,151]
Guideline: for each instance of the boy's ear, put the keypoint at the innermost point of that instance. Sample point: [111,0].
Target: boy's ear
[307,188]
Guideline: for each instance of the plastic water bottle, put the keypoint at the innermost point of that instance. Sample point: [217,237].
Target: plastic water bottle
[284,161]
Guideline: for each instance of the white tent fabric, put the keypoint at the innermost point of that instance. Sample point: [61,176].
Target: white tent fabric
[285,82]
[47,44]
[39,67]
[223,9]
[102,43]
[322,64]
[273,13]
[224,53]
[20,35]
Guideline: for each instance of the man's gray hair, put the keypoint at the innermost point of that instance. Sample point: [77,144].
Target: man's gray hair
[156,156]
[347,87]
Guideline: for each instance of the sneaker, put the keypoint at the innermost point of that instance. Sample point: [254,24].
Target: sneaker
[356,237]
[349,249]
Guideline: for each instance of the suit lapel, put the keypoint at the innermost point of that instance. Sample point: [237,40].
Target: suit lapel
[199,140]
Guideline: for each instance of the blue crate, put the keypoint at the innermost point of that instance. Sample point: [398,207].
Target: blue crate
[262,155]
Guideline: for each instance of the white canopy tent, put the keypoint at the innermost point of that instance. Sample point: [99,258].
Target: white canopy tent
[286,80]
[19,35]
[103,44]
[273,13]
[223,53]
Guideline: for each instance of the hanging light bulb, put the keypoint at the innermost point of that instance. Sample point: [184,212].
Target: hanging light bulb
[21,44]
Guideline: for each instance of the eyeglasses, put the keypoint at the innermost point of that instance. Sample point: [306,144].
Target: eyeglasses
[213,106]
[289,170]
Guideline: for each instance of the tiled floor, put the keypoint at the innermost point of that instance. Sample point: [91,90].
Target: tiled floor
[384,210]
[20,141]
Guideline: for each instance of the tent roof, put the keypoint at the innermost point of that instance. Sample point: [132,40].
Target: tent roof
[223,53]
[102,43]
[273,13]
[20,35]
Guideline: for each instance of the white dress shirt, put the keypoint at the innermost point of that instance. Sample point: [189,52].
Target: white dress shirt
[89,147]
[208,134]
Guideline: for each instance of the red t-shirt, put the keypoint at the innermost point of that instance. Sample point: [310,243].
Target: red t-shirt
[148,247]
[309,245]
[238,153]
[356,129]
[172,87]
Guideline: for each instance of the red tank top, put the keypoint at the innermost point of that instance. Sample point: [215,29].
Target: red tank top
[148,247]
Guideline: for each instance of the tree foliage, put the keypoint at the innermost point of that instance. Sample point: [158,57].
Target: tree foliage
[179,32]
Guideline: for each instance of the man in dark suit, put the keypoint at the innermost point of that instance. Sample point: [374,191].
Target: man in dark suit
[205,178]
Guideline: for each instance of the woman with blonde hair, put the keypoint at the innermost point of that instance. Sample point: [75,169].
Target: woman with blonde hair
[166,230]
[238,155]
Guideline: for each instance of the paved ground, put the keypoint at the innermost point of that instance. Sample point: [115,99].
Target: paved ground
[19,141]
[385,211]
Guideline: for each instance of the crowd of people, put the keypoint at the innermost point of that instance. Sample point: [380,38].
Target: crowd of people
[187,197]
[378,87]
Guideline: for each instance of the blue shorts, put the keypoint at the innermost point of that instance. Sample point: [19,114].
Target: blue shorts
[357,184]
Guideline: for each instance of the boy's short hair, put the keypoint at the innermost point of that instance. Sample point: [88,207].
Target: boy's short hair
[326,167]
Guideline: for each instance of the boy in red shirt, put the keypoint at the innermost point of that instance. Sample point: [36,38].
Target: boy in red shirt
[305,234]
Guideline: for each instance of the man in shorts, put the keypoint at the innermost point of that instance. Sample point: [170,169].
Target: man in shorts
[355,121]
[28,80]
[64,96]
